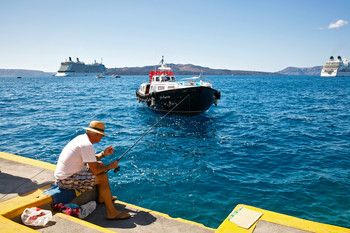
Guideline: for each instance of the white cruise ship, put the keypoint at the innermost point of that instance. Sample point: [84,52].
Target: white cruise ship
[79,69]
[336,68]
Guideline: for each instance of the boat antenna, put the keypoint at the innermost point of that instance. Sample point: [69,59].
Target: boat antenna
[117,168]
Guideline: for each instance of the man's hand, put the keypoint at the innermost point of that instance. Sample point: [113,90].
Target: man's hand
[108,151]
[113,164]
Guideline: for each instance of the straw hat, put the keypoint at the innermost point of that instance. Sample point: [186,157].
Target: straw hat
[97,127]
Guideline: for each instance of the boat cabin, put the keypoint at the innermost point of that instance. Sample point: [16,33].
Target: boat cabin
[163,79]
[144,88]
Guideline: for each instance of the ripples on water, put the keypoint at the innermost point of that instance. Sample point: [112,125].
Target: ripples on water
[279,143]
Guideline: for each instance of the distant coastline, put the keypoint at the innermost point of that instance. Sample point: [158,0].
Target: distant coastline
[179,69]
[187,69]
[24,73]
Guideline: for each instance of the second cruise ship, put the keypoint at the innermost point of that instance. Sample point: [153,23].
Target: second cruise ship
[336,68]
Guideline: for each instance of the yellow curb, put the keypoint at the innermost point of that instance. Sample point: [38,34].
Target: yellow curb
[15,206]
[8,226]
[284,220]
[132,206]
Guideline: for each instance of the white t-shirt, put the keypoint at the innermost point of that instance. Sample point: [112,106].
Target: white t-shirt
[74,156]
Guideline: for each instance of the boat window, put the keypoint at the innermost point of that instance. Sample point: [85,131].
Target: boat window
[165,78]
[160,88]
[157,79]
[171,87]
[332,65]
[147,89]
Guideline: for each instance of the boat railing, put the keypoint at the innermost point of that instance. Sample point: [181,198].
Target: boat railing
[195,81]
[333,65]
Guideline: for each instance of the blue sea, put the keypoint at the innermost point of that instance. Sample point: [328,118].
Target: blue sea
[280,143]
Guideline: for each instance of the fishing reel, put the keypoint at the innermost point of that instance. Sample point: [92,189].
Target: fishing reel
[116,169]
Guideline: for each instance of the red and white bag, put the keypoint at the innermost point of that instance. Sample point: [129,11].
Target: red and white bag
[36,217]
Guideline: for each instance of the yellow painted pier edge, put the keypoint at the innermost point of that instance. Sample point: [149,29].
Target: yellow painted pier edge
[15,206]
[281,219]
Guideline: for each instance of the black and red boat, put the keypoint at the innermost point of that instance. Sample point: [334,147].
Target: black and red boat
[163,92]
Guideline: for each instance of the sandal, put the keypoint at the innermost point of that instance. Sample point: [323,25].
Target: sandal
[120,216]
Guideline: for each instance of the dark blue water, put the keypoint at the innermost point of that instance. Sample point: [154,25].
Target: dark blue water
[275,142]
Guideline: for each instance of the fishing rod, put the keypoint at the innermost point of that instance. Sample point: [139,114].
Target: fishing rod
[117,168]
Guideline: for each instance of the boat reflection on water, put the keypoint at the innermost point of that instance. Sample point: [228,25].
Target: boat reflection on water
[199,126]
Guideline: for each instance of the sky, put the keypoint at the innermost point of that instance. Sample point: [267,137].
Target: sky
[252,35]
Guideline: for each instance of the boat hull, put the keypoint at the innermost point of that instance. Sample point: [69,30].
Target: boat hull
[198,100]
[335,74]
[76,74]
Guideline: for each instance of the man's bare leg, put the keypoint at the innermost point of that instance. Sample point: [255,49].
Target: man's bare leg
[105,195]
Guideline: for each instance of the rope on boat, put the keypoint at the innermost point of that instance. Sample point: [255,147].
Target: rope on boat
[116,169]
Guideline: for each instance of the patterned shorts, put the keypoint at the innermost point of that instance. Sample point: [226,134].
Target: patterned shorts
[80,180]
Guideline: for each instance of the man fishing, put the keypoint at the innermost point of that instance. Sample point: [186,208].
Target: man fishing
[78,167]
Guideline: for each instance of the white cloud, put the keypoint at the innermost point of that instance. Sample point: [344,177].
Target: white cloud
[338,24]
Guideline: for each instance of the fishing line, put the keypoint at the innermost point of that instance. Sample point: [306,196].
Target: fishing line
[116,169]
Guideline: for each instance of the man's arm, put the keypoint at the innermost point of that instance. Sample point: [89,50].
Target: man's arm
[100,156]
[98,167]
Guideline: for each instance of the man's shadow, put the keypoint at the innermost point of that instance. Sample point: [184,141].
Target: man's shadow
[10,184]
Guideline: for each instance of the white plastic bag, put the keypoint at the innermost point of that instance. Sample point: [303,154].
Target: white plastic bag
[36,217]
[87,209]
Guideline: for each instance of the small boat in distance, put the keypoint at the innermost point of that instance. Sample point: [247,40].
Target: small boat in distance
[100,76]
[116,76]
[191,96]
[336,68]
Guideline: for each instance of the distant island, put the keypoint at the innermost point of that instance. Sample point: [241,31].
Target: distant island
[179,69]
[312,71]
[187,69]
[24,73]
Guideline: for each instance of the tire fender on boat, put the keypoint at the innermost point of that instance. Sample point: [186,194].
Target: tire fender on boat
[217,95]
